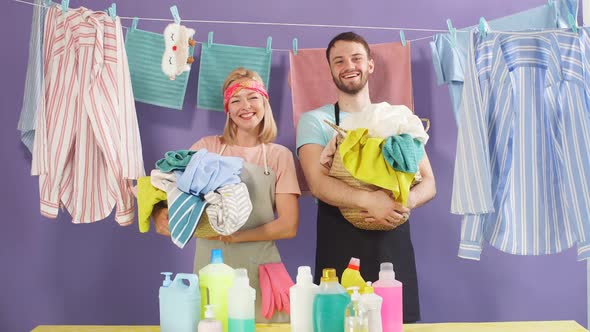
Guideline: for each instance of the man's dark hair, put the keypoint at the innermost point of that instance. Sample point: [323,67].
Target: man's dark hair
[351,37]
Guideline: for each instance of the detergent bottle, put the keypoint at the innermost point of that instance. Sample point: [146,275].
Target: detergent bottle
[329,304]
[390,290]
[215,280]
[372,303]
[301,300]
[180,309]
[352,275]
[241,304]
[355,316]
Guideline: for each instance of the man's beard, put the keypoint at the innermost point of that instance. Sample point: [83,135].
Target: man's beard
[353,89]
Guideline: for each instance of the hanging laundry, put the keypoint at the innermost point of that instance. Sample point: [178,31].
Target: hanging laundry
[312,85]
[218,60]
[522,160]
[176,59]
[33,91]
[449,53]
[150,84]
[87,147]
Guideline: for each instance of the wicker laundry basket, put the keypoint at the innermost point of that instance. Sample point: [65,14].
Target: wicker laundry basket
[337,170]
[204,229]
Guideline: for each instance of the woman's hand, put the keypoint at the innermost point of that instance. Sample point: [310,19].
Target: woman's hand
[224,238]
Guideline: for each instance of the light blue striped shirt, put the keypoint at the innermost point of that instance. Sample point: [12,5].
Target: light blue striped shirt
[523,161]
[449,58]
[34,79]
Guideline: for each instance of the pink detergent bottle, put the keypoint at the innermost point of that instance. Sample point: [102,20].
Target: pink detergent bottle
[391,291]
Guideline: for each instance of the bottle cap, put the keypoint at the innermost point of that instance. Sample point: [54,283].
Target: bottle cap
[354,263]
[241,278]
[329,275]
[304,274]
[386,271]
[216,256]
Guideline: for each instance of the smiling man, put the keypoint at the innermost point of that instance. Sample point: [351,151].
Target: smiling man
[349,58]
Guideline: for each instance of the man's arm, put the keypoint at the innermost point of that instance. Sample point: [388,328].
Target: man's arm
[425,191]
[378,204]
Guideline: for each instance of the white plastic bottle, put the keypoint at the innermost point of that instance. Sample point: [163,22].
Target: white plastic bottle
[301,300]
[241,300]
[210,324]
[372,303]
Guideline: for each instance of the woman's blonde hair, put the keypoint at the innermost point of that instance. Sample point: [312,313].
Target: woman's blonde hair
[267,128]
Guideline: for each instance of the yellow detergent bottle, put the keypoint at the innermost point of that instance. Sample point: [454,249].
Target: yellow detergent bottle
[352,276]
[215,279]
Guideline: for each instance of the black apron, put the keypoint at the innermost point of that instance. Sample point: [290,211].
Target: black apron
[338,241]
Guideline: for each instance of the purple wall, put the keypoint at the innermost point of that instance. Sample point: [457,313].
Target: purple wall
[55,272]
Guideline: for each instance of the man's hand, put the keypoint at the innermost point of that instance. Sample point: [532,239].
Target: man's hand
[380,208]
[160,216]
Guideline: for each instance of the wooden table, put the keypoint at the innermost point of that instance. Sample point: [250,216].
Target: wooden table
[549,326]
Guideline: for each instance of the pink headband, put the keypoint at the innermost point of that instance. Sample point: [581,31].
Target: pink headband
[237,87]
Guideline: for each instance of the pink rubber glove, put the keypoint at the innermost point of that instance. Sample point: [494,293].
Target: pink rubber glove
[281,283]
[268,301]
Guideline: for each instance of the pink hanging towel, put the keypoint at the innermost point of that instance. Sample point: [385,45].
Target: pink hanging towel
[312,85]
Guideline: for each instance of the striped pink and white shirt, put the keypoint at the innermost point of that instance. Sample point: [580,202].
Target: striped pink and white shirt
[87,148]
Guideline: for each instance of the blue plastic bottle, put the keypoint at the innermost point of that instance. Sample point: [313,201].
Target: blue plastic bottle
[180,304]
[329,304]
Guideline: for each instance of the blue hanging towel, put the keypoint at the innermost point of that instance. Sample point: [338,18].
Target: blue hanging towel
[150,84]
[218,60]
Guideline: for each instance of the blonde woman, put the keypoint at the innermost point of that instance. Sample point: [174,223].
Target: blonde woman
[269,174]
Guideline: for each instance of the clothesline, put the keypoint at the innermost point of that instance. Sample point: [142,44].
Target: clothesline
[285,24]
[275,24]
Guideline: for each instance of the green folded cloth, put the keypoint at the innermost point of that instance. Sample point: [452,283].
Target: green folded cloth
[403,153]
[174,160]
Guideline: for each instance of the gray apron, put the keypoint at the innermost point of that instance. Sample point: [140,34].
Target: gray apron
[261,184]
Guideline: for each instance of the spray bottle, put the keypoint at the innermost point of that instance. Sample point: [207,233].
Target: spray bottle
[372,303]
[355,316]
